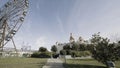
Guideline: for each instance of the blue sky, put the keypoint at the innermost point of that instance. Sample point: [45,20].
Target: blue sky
[49,21]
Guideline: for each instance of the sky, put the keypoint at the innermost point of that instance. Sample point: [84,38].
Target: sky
[51,21]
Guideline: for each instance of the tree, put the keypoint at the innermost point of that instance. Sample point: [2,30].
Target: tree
[118,49]
[90,47]
[75,46]
[82,47]
[62,52]
[103,50]
[54,48]
[67,47]
[42,49]
[96,38]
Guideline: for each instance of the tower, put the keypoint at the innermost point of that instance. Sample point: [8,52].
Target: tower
[80,40]
[71,40]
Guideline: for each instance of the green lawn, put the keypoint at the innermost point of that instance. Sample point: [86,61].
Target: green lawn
[22,62]
[86,63]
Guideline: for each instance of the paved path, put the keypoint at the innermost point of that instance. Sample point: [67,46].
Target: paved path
[54,63]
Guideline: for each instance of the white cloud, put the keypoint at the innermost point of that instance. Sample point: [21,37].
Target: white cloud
[114,36]
[60,24]
[17,41]
[90,18]
[37,4]
[26,26]
[42,42]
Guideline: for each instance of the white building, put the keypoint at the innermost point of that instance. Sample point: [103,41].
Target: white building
[71,40]
[11,52]
[59,46]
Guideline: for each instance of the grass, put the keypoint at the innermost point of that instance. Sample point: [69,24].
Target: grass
[86,63]
[117,64]
[22,62]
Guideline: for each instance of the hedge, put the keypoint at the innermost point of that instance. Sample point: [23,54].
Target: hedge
[41,55]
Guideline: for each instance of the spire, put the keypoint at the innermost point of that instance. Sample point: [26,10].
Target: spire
[71,38]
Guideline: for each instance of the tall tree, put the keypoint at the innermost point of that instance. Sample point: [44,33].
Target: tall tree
[82,47]
[54,48]
[67,47]
[75,46]
[62,52]
[42,49]
[103,50]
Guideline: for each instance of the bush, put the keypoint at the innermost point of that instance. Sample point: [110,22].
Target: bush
[68,52]
[73,54]
[35,55]
[41,55]
[62,52]
[87,53]
[43,49]
[54,48]
[54,55]
[80,53]
[45,55]
[26,55]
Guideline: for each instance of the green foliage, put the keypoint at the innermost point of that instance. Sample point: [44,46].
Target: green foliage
[62,52]
[68,52]
[67,47]
[42,49]
[103,51]
[87,53]
[55,55]
[26,55]
[118,50]
[80,53]
[90,47]
[35,55]
[65,52]
[75,46]
[54,48]
[41,55]
[45,55]
[73,54]
[96,38]
[82,47]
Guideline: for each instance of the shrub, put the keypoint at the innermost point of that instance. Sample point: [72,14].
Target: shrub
[35,55]
[43,49]
[54,48]
[54,55]
[26,55]
[68,52]
[41,55]
[87,53]
[73,54]
[62,52]
[45,55]
[80,53]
